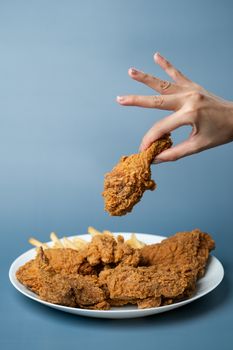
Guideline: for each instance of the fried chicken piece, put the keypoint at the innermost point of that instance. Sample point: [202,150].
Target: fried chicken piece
[130,178]
[70,290]
[188,251]
[141,303]
[145,286]
[68,261]
[103,305]
[105,249]
[29,275]
[102,252]
[64,261]
[54,287]
[107,272]
[149,302]
[173,267]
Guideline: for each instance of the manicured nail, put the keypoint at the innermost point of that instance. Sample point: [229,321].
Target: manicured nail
[133,71]
[120,98]
[157,55]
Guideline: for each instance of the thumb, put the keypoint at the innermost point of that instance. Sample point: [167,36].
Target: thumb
[162,127]
[174,153]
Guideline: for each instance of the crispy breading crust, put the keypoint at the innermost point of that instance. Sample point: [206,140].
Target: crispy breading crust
[130,178]
[185,250]
[146,286]
[108,272]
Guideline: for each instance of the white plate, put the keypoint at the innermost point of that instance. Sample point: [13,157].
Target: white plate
[213,276]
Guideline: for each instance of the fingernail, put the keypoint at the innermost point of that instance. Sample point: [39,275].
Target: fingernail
[120,98]
[133,71]
[156,55]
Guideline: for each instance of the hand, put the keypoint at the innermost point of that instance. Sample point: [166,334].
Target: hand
[210,116]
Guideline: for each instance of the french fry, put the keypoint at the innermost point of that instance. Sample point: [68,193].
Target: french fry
[57,246]
[36,243]
[67,243]
[79,242]
[134,242]
[92,231]
[56,241]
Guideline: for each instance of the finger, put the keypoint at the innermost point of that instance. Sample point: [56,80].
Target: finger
[174,73]
[164,126]
[162,86]
[168,102]
[174,153]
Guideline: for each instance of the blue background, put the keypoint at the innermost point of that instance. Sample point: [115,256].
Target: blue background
[62,63]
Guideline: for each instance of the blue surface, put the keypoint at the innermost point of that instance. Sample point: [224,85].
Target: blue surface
[61,65]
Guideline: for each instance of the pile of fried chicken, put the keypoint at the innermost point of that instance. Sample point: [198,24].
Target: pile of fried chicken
[108,272]
[131,177]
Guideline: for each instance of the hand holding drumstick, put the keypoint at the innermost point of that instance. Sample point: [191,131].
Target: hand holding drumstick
[210,116]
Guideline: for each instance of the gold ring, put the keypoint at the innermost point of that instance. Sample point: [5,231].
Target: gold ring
[158,100]
[164,84]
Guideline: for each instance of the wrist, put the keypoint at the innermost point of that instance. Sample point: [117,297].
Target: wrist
[231,117]
[231,109]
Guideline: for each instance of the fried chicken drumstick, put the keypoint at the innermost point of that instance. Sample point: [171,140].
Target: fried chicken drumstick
[130,178]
